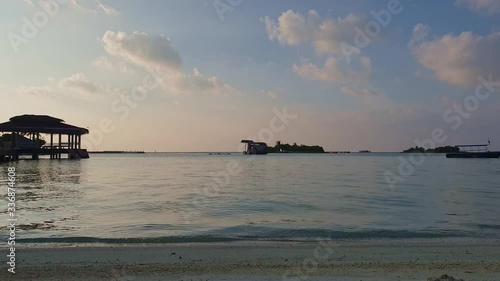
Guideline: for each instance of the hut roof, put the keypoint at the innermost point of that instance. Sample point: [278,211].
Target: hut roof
[40,124]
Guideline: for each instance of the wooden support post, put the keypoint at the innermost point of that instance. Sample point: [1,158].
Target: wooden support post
[70,145]
[59,149]
[51,146]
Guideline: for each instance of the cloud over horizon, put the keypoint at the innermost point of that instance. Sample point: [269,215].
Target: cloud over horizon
[336,70]
[483,6]
[457,59]
[77,85]
[359,92]
[181,84]
[143,50]
[326,36]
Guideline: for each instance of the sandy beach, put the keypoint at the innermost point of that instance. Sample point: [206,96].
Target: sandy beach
[360,260]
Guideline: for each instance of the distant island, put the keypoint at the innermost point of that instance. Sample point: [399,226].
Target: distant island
[444,149]
[294,148]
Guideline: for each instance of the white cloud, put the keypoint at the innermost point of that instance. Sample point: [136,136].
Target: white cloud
[106,63]
[158,52]
[359,92]
[325,35]
[331,37]
[81,84]
[75,4]
[420,33]
[80,5]
[143,50]
[77,85]
[108,10]
[337,70]
[486,6]
[35,91]
[459,59]
[181,84]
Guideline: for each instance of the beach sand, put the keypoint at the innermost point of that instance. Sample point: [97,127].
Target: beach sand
[341,260]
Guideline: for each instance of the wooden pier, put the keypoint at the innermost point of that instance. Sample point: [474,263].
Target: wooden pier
[24,138]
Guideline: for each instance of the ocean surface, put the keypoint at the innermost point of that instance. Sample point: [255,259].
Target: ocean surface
[182,197]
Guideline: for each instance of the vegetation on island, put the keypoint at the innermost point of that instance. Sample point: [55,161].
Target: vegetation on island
[444,149]
[294,148]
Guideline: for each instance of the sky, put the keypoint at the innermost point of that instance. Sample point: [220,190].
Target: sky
[201,75]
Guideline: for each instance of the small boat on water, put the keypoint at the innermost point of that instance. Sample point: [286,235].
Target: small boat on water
[474,151]
[365,151]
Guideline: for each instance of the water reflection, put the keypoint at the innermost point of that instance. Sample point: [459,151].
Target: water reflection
[45,190]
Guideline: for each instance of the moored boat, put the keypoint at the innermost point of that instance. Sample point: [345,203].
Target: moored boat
[474,151]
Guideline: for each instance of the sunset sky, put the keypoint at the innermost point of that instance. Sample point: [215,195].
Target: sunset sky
[353,77]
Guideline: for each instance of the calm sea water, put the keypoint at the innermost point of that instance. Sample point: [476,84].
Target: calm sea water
[160,198]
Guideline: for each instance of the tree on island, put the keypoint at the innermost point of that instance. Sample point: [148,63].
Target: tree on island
[285,147]
[444,149]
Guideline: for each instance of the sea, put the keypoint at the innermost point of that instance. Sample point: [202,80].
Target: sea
[198,197]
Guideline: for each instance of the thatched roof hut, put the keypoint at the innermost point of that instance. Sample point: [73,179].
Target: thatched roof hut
[43,124]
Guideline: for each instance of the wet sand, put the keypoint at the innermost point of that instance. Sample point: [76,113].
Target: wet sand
[346,260]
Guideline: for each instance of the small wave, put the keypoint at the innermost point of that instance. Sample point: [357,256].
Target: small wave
[489,226]
[152,240]
[261,235]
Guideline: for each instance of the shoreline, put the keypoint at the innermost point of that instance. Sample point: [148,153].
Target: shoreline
[366,260]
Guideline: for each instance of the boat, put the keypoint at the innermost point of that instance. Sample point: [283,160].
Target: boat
[251,147]
[364,151]
[474,151]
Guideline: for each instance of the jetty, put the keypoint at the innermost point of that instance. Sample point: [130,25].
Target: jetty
[22,135]
[117,152]
[474,151]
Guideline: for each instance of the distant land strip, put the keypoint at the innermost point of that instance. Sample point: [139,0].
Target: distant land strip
[116,152]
